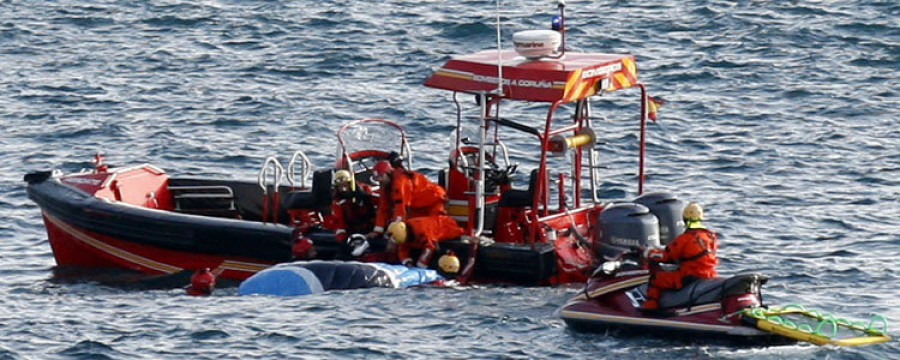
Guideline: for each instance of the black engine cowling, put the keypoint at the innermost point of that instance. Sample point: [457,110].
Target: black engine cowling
[667,208]
[625,227]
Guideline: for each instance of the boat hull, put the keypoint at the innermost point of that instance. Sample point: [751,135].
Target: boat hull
[703,323]
[677,331]
[88,231]
[73,246]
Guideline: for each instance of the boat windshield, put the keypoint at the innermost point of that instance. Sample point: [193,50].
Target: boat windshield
[371,139]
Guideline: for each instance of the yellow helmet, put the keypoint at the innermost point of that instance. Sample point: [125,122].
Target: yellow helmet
[398,231]
[449,263]
[342,176]
[693,211]
[693,214]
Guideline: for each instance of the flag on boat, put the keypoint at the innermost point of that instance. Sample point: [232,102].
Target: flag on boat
[653,105]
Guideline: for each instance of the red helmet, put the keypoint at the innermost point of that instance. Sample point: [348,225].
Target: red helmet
[301,248]
[382,167]
[202,282]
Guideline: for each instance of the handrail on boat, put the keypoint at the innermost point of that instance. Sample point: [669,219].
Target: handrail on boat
[277,172]
[305,172]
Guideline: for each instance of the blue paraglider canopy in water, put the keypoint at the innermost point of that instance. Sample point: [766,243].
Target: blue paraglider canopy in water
[313,277]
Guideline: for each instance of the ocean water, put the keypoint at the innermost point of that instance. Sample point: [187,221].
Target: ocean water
[781,118]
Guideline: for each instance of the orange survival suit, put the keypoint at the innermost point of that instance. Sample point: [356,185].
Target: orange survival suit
[695,253]
[425,232]
[410,194]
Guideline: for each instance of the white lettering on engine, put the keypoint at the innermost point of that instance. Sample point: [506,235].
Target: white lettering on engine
[625,242]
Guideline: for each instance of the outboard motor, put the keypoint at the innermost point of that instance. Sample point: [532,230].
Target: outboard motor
[667,208]
[623,228]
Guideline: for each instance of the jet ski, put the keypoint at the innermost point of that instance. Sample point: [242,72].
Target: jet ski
[704,308]
[730,309]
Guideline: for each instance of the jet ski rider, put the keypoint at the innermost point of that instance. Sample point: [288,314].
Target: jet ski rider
[694,252]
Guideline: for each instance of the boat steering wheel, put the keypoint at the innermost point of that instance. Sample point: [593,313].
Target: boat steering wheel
[494,175]
[363,162]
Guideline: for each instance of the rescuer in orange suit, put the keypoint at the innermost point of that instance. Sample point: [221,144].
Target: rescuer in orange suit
[352,211]
[404,194]
[422,233]
[694,251]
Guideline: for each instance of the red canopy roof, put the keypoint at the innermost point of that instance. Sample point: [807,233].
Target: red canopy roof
[575,76]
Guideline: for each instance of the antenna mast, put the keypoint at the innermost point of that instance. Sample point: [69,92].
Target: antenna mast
[562,24]
[499,56]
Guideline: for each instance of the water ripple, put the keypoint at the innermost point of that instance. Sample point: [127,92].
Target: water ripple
[780,118]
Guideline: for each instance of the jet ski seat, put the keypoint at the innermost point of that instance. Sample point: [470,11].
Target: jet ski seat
[704,291]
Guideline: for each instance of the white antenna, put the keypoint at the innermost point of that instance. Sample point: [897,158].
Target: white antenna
[499,57]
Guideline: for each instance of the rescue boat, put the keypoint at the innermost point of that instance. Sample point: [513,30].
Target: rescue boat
[539,230]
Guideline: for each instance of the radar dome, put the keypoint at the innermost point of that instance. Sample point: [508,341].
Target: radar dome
[535,44]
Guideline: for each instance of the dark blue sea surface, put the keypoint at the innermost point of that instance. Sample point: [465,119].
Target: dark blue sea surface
[781,118]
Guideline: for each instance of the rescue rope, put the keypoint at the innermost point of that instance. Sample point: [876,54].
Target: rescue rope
[827,325]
